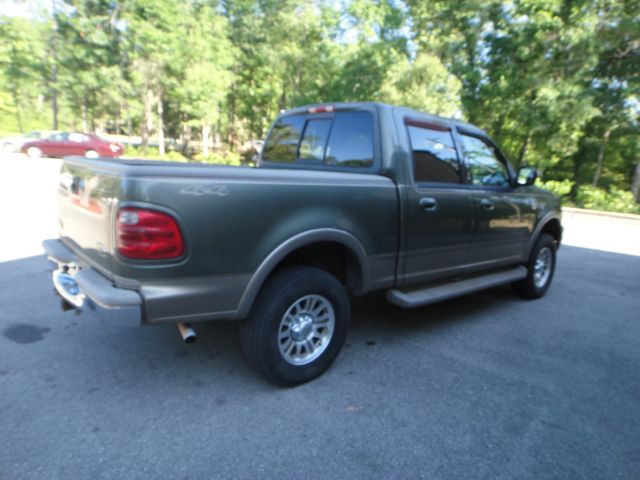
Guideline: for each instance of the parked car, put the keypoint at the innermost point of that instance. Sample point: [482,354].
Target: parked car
[347,199]
[63,144]
[14,144]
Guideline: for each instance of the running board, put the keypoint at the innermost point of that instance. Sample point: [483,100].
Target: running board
[416,298]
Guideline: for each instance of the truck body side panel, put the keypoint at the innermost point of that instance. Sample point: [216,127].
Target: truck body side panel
[232,219]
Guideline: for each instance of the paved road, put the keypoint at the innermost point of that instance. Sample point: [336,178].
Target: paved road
[485,386]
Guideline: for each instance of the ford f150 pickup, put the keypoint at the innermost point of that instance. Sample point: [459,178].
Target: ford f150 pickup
[346,199]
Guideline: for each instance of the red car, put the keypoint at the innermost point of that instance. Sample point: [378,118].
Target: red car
[64,144]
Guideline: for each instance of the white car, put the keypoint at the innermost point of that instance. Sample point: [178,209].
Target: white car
[14,144]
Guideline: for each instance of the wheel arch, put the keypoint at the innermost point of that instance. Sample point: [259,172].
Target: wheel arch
[320,248]
[549,224]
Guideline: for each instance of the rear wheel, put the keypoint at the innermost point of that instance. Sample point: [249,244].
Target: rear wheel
[91,154]
[297,326]
[540,269]
[34,152]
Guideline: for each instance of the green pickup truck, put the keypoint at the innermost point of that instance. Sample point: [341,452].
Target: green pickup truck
[346,199]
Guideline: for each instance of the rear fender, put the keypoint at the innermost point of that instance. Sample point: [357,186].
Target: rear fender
[294,243]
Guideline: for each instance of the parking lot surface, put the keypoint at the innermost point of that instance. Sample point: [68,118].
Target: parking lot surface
[484,386]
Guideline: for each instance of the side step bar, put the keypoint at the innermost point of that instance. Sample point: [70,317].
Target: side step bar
[418,297]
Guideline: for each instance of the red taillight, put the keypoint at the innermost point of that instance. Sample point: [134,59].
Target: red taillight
[148,234]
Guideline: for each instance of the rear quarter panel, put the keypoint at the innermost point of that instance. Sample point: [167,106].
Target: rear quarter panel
[233,218]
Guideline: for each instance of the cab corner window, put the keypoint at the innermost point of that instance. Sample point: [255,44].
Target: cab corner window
[483,165]
[434,155]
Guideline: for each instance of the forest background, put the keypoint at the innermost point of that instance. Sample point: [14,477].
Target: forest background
[554,82]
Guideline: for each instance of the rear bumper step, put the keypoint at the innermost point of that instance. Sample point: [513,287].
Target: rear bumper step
[75,284]
[416,298]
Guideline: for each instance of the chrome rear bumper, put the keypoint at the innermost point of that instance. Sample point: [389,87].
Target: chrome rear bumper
[76,283]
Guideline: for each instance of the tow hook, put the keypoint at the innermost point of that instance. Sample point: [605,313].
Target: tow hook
[187,333]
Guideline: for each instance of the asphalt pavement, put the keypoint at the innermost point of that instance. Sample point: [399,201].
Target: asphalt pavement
[484,386]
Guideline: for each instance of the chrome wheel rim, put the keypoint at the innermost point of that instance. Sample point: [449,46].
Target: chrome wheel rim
[542,267]
[306,329]
[92,154]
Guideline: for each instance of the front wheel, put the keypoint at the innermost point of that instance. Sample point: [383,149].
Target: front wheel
[540,269]
[91,154]
[297,326]
[34,152]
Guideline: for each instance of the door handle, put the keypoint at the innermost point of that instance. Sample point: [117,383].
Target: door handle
[487,204]
[428,204]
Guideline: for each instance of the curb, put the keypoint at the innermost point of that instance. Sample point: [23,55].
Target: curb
[600,213]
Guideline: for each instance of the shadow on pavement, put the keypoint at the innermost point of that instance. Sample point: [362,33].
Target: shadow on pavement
[30,312]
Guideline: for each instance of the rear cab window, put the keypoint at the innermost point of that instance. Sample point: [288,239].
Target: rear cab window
[342,139]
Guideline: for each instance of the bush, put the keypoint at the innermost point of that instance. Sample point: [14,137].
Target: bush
[153,153]
[560,188]
[615,200]
[219,157]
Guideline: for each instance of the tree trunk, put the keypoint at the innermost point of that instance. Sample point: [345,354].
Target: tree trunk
[14,92]
[53,80]
[147,121]
[85,123]
[160,124]
[523,150]
[635,184]
[129,122]
[603,146]
[218,135]
[231,120]
[206,130]
[185,138]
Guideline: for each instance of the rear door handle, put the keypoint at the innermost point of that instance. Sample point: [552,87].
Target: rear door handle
[428,204]
[487,204]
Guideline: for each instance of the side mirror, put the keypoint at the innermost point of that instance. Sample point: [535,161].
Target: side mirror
[526,176]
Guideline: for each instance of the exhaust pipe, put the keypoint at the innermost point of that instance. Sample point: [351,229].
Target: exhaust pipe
[187,333]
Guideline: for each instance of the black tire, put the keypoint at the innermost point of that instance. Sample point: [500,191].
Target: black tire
[531,287]
[259,333]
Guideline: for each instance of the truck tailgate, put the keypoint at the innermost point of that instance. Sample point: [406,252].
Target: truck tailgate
[85,213]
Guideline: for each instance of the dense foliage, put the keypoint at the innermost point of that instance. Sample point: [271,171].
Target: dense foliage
[555,82]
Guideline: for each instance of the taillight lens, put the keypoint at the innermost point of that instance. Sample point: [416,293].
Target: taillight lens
[321,109]
[148,234]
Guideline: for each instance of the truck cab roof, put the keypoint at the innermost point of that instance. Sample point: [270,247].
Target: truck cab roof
[408,112]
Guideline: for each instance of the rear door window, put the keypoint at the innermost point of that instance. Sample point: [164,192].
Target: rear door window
[344,139]
[434,155]
[60,137]
[77,137]
[351,141]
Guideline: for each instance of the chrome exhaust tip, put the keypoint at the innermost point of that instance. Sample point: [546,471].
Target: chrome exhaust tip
[187,333]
